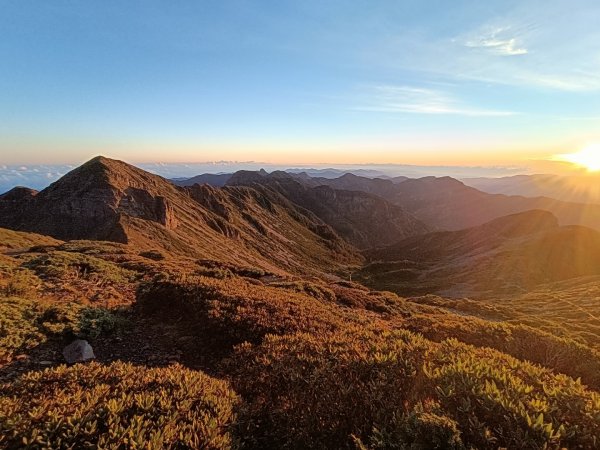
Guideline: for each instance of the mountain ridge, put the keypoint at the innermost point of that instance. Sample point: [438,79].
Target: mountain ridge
[111,200]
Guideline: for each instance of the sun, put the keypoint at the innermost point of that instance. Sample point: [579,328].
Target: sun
[588,158]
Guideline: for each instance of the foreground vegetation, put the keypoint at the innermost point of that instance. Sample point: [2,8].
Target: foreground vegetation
[277,362]
[116,406]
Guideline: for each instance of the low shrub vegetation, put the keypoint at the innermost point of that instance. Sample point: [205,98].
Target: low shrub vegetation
[25,324]
[69,265]
[399,390]
[116,407]
[239,310]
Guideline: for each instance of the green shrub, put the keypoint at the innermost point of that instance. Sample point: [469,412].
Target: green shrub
[66,265]
[19,328]
[90,406]
[154,255]
[399,390]
[560,354]
[242,271]
[499,401]
[19,282]
[25,324]
[238,310]
[314,290]
[424,428]
[93,247]
[312,391]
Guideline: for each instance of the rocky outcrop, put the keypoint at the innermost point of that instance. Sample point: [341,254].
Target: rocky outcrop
[89,202]
[140,203]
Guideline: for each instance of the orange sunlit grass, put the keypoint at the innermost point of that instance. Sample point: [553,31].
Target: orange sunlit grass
[588,158]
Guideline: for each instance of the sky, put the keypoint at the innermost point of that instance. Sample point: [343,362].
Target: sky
[424,82]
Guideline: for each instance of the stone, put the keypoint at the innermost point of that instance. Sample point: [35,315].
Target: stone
[78,351]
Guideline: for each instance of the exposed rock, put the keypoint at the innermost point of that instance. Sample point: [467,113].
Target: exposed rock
[78,351]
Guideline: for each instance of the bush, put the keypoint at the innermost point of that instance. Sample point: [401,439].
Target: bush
[314,290]
[19,329]
[238,310]
[312,391]
[154,255]
[117,406]
[500,401]
[399,390]
[25,324]
[19,282]
[424,428]
[66,265]
[561,354]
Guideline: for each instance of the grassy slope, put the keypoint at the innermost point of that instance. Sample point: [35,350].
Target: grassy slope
[289,345]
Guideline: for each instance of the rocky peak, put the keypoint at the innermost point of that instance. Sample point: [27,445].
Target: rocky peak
[89,202]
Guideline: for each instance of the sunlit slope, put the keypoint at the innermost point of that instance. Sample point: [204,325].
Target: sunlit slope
[111,200]
[506,256]
[447,204]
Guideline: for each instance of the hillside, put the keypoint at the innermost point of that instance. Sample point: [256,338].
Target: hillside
[444,203]
[571,188]
[508,255]
[111,200]
[448,204]
[216,180]
[364,220]
[193,354]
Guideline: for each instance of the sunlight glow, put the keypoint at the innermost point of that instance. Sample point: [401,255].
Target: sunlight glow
[588,158]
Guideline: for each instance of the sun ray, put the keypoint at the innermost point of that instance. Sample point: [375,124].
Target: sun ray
[588,158]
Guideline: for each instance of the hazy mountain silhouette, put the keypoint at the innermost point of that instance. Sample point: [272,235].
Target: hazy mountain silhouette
[507,255]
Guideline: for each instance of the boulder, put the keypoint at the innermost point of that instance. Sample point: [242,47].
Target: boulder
[78,351]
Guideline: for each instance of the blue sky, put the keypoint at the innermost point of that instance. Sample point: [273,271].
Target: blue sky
[420,82]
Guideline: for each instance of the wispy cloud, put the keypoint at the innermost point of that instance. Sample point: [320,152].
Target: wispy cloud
[417,100]
[497,41]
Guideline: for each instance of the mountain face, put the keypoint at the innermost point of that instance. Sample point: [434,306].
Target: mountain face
[111,200]
[448,204]
[507,255]
[363,219]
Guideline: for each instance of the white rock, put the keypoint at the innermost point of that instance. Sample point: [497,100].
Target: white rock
[78,351]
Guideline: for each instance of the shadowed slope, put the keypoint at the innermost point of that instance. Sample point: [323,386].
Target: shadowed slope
[363,219]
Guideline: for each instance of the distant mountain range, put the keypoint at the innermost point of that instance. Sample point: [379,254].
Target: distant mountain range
[442,203]
[574,188]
